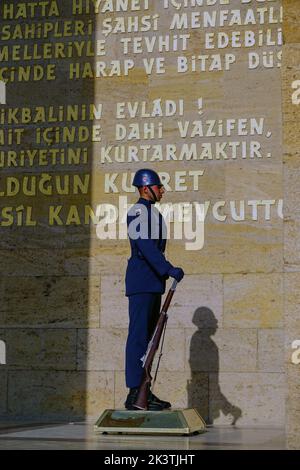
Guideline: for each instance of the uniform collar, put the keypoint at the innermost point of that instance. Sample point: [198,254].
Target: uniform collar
[146,202]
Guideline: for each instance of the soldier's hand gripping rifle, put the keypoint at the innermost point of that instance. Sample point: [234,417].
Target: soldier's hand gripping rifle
[141,402]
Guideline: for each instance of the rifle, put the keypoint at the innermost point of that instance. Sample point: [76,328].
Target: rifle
[142,398]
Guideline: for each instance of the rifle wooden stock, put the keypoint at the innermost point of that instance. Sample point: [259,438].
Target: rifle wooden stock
[142,399]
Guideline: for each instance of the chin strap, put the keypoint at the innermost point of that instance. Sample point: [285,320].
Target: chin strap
[153,194]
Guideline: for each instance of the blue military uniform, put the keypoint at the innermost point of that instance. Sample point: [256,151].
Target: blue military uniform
[146,276]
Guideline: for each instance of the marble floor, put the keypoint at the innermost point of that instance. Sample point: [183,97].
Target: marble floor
[81,436]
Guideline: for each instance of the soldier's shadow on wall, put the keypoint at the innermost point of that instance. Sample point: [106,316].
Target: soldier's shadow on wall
[204,392]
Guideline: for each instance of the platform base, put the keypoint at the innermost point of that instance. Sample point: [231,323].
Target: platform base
[181,422]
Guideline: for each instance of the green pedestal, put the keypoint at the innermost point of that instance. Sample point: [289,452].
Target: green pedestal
[182,422]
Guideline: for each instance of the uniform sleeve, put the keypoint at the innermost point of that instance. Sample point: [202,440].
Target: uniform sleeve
[154,256]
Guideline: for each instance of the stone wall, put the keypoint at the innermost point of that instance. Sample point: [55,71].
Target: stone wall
[291,138]
[47,293]
[63,309]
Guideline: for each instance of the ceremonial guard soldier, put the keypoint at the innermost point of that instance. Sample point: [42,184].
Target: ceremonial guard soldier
[146,276]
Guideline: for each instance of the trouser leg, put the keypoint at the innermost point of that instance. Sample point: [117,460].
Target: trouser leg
[144,310]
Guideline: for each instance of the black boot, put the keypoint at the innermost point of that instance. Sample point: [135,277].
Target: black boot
[154,404]
[154,401]
[131,398]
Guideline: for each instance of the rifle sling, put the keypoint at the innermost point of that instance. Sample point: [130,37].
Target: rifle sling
[161,348]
